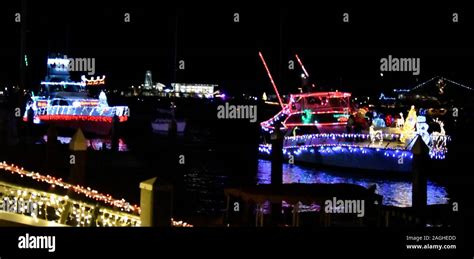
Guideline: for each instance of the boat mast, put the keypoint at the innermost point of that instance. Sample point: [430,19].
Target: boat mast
[302,66]
[271,78]
[304,76]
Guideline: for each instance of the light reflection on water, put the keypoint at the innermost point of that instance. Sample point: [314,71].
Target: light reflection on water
[95,143]
[395,192]
[205,190]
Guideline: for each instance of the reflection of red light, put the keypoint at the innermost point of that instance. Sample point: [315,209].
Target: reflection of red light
[80,118]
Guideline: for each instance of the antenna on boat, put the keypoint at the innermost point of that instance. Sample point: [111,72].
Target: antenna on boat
[305,74]
[302,66]
[271,79]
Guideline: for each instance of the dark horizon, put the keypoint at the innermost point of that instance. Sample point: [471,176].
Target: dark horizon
[365,170]
[347,59]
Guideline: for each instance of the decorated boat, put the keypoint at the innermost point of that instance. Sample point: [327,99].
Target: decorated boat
[324,128]
[71,104]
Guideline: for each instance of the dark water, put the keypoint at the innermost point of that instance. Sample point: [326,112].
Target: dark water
[206,190]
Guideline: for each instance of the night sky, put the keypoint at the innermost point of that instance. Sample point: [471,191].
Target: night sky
[217,50]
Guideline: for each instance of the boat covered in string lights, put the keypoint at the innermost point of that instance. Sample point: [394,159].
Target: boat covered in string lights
[313,112]
[324,141]
[325,128]
[68,103]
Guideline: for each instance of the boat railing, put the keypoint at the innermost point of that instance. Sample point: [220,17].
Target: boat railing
[436,143]
[84,111]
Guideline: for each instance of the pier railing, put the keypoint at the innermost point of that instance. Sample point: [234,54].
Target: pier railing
[60,209]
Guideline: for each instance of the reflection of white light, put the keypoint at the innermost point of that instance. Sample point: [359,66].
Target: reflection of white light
[76,104]
[303,75]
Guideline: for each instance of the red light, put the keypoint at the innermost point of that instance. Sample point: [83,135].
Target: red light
[301,64]
[80,118]
[271,79]
[317,124]
[323,94]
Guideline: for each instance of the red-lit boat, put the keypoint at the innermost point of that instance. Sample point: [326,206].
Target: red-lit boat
[318,112]
[66,103]
[316,131]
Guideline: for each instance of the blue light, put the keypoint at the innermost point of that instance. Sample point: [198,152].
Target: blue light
[340,149]
[64,83]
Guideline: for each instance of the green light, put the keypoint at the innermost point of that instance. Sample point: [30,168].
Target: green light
[340,115]
[26,60]
[307,116]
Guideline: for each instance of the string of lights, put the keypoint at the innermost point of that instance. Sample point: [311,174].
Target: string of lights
[445,79]
[327,148]
[87,191]
[51,207]
[458,84]
[424,83]
[107,119]
[336,148]
[335,136]
[268,124]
